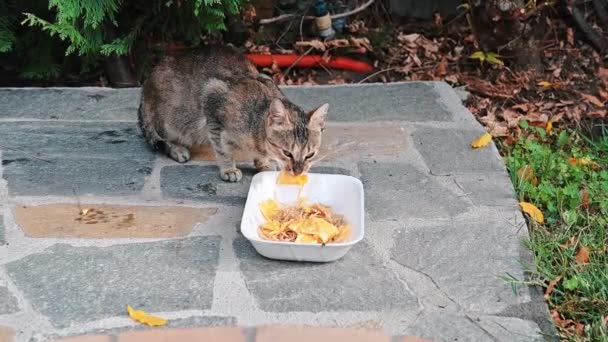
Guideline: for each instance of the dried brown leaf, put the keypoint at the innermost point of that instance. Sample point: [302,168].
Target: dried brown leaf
[315,43]
[361,42]
[338,43]
[569,243]
[551,286]
[597,113]
[603,73]
[582,256]
[592,99]
[526,174]
[585,199]
[408,38]
[556,317]
[442,67]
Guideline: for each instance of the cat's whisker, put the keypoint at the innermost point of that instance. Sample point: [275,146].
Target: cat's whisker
[335,149]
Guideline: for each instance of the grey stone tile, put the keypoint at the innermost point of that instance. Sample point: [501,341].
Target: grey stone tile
[331,170]
[465,260]
[494,189]
[357,282]
[448,151]
[2,237]
[8,302]
[412,101]
[64,177]
[203,183]
[202,321]
[118,140]
[72,285]
[400,191]
[511,329]
[441,326]
[192,322]
[95,158]
[70,103]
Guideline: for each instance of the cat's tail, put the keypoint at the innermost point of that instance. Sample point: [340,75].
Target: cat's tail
[147,129]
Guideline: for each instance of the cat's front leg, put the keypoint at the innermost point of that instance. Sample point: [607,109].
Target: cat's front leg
[224,157]
[262,163]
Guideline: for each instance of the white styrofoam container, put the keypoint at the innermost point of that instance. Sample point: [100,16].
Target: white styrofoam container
[344,194]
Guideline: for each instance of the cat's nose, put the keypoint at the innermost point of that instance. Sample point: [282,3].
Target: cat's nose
[298,168]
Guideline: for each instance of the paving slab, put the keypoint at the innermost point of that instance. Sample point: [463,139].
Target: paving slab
[443,247]
[491,189]
[2,237]
[64,158]
[396,191]
[344,141]
[69,103]
[452,327]
[68,139]
[8,302]
[75,177]
[360,279]
[91,283]
[95,221]
[442,225]
[416,102]
[202,183]
[448,151]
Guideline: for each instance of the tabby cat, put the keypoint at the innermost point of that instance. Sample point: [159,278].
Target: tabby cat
[215,94]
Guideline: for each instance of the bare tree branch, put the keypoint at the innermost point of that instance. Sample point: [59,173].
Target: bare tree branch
[597,41]
[285,17]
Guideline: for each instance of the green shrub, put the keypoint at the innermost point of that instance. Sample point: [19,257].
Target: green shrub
[92,29]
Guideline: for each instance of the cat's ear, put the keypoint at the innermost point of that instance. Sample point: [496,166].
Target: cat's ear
[278,118]
[316,118]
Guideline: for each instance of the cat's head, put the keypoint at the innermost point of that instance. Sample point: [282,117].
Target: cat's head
[293,137]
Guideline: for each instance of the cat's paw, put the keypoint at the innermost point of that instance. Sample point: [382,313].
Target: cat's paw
[231,175]
[262,164]
[180,154]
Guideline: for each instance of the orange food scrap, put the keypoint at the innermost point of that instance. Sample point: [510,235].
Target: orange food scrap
[285,178]
[303,223]
[145,318]
[269,208]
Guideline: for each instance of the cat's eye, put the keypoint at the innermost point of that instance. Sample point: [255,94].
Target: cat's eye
[310,155]
[287,154]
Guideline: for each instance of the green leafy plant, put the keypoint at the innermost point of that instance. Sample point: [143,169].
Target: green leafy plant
[489,57]
[565,174]
[94,29]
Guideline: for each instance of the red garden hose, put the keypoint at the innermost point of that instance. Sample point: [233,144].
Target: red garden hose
[309,61]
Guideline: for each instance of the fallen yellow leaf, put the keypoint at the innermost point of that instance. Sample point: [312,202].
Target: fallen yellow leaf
[285,178]
[482,140]
[549,127]
[585,161]
[144,318]
[533,211]
[583,255]
[544,84]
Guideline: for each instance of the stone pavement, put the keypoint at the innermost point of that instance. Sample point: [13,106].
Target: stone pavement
[442,224]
